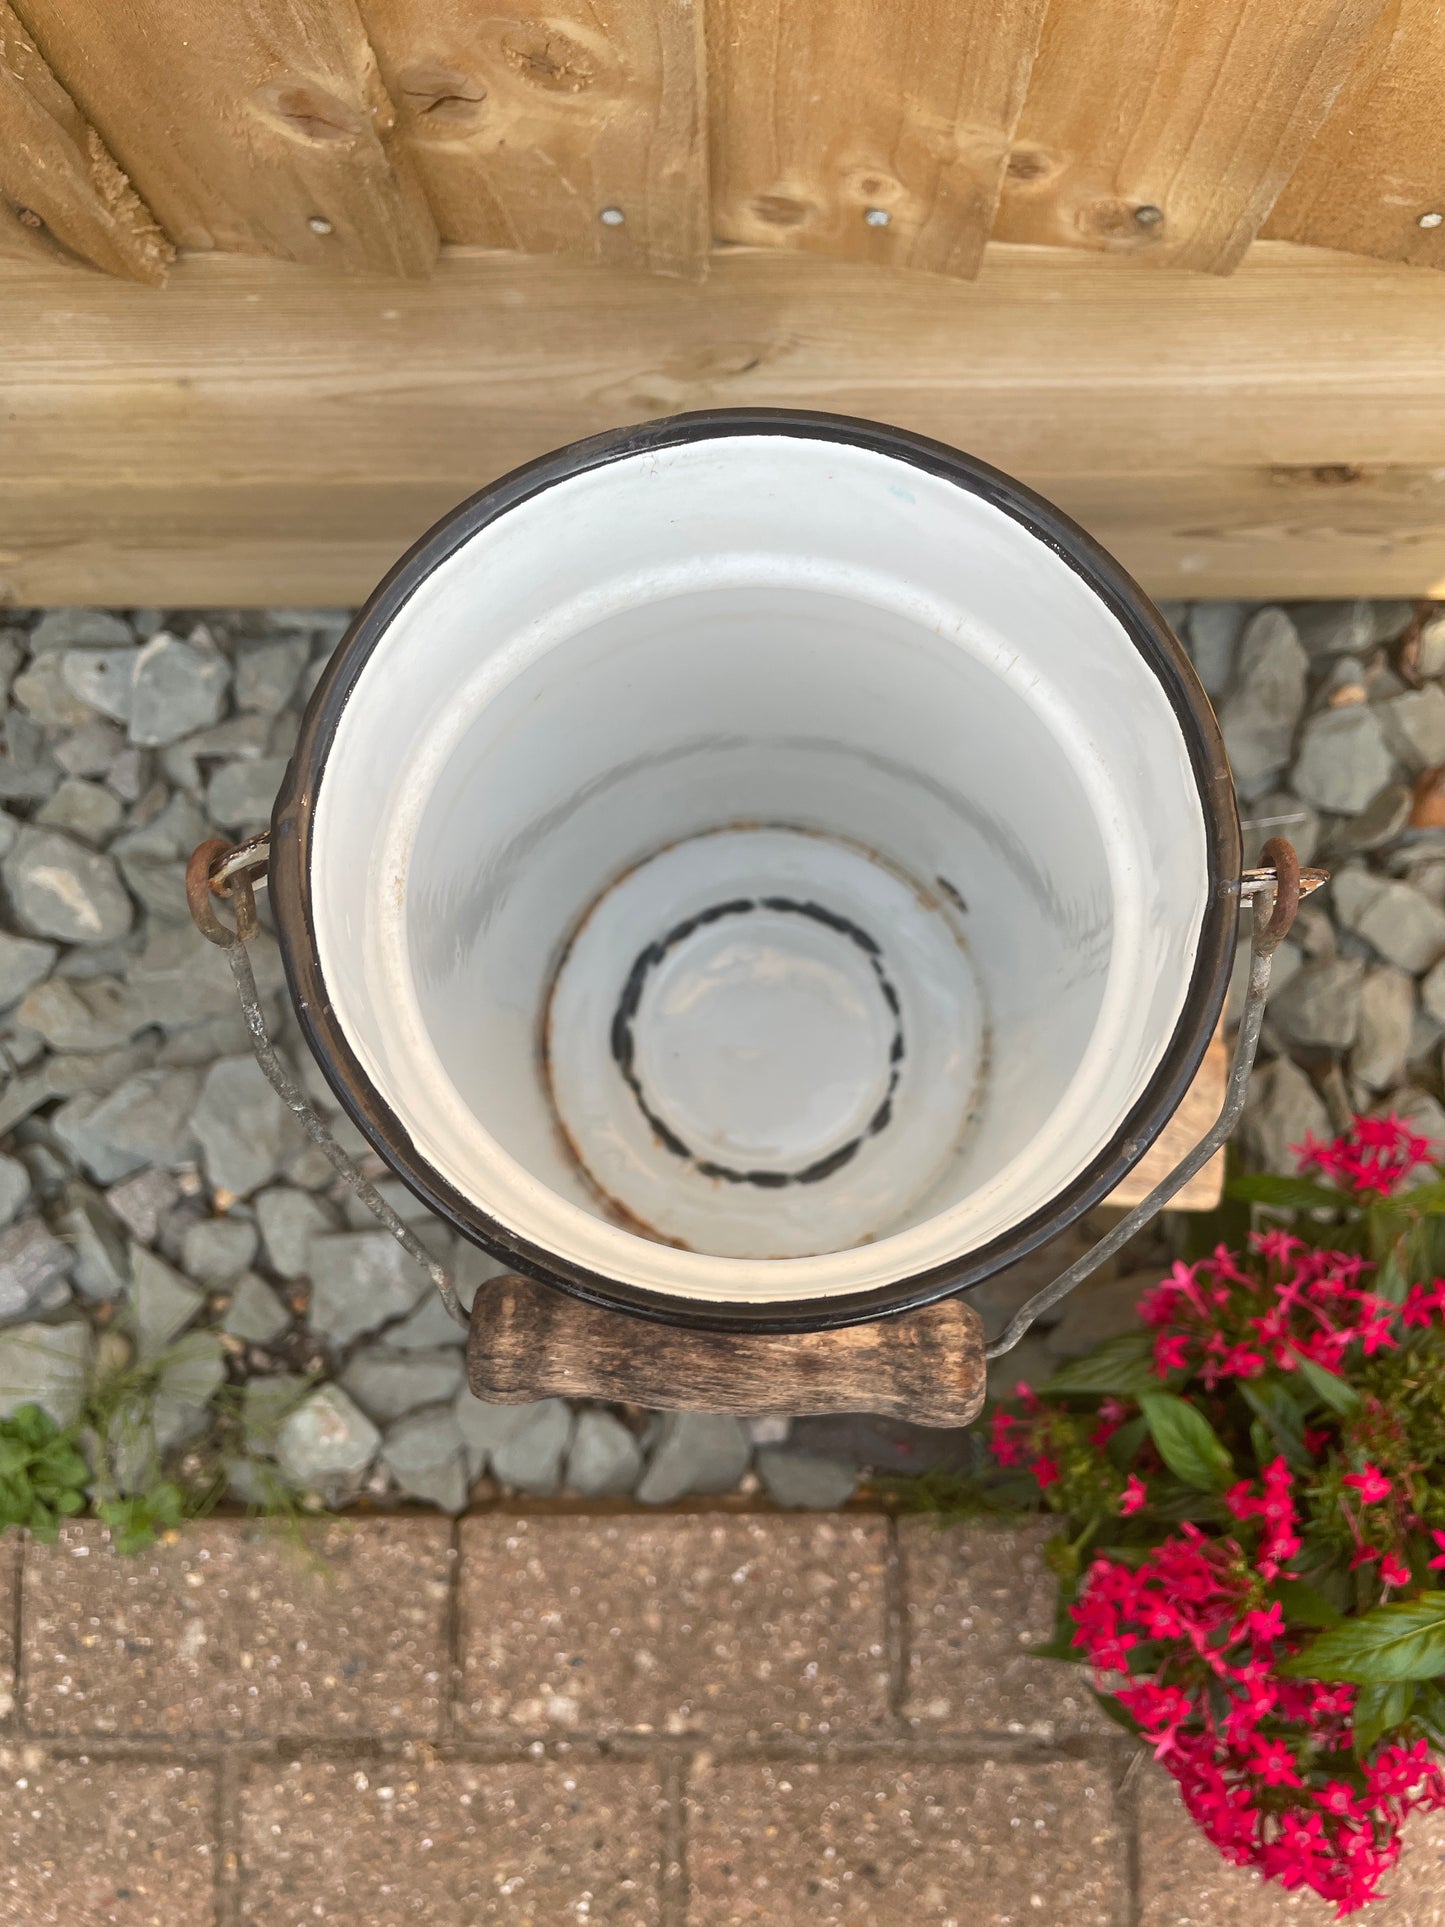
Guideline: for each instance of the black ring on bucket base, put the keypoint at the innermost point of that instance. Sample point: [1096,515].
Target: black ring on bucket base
[293,819]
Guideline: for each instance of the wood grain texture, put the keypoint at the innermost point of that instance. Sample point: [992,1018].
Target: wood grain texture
[259,433]
[818,114]
[1199,1112]
[254,126]
[1378,163]
[530,1341]
[1195,111]
[526,124]
[61,194]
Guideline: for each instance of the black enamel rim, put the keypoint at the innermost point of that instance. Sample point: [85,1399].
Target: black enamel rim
[293,822]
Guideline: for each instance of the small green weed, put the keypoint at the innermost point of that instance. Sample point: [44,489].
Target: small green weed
[43,1473]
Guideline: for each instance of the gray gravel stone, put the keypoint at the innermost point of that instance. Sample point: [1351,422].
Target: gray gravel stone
[1431,659]
[266,1404]
[327,1445]
[360,1279]
[84,628]
[255,1313]
[1343,761]
[146,1120]
[801,1482]
[388,1384]
[1387,1016]
[694,1452]
[1214,629]
[45,1365]
[1335,628]
[14,1188]
[267,674]
[1101,1308]
[1259,715]
[1414,727]
[1352,891]
[1432,992]
[218,1250]
[85,1016]
[23,962]
[95,1234]
[1278,813]
[59,888]
[177,689]
[34,1268]
[1380,822]
[1283,1108]
[162,1303]
[239,796]
[244,1130]
[92,750]
[605,1459]
[82,809]
[289,1220]
[484,1427]
[142,1201]
[425,1456]
[529,1458]
[45,695]
[430,1326]
[188,1382]
[101,678]
[1321,1003]
[1404,927]
[179,980]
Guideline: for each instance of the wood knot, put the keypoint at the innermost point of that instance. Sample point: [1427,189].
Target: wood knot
[1317,474]
[439,99]
[1119,221]
[1027,164]
[307,113]
[548,58]
[780,210]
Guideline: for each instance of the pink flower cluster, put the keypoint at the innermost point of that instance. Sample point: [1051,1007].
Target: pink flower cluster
[1373,1157]
[1226,1319]
[1198,1644]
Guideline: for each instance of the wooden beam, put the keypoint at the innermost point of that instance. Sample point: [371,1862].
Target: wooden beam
[1164,129]
[61,194]
[259,432]
[528,126]
[1376,169]
[259,126]
[862,131]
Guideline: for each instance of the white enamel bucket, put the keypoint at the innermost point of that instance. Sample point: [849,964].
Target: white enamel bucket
[758,869]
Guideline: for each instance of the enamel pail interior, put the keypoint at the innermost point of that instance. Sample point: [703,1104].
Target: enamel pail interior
[758,867]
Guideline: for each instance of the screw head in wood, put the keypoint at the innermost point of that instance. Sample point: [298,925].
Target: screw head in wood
[877,216]
[1148,215]
[612,217]
[319,224]
[1431,220]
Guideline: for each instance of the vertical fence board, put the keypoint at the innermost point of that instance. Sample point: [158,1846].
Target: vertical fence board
[525,125]
[822,115]
[61,193]
[256,126]
[1378,163]
[1194,111]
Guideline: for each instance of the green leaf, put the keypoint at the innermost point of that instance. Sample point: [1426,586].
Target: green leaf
[1303,1605]
[1328,1387]
[1187,1442]
[1379,1708]
[1403,1640]
[1124,1444]
[1285,1194]
[1425,1198]
[1273,1402]
[1120,1365]
[1390,1281]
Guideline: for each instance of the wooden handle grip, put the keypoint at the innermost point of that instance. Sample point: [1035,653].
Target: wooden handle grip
[531,1341]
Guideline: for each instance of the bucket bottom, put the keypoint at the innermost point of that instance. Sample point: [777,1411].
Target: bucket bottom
[767,1042]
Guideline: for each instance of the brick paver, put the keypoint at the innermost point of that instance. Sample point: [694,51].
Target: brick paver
[714,1624]
[418,1840]
[983,1845]
[643,1720]
[238,1627]
[978,1598]
[87,1843]
[9,1580]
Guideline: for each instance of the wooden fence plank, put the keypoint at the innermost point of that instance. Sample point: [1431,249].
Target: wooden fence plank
[258,126]
[1164,129]
[60,191]
[867,132]
[259,432]
[1373,179]
[525,125]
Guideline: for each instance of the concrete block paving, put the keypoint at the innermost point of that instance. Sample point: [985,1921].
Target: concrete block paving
[692,1719]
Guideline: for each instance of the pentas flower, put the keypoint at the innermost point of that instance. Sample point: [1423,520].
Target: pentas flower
[1394,1571]
[1437,1563]
[1135,1496]
[1372,1159]
[1370,1483]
